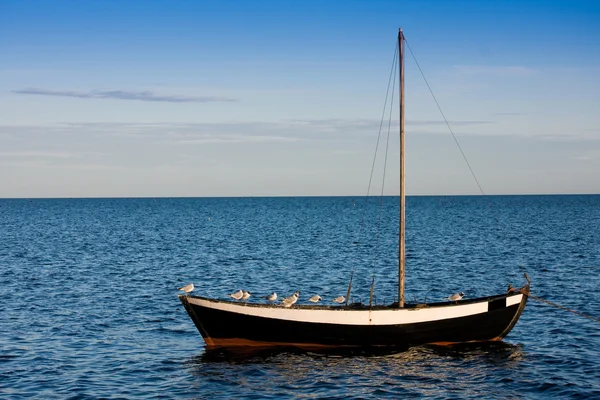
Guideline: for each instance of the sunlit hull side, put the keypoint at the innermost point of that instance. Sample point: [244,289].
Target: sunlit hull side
[225,323]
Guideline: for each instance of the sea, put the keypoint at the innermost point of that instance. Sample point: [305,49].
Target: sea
[89,306]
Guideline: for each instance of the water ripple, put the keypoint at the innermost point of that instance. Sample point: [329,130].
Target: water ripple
[89,307]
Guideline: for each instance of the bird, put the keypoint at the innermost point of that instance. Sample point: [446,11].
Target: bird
[315,299]
[187,288]
[339,299]
[295,295]
[456,296]
[272,297]
[290,301]
[245,295]
[237,295]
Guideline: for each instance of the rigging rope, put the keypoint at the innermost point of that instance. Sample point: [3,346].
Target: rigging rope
[385,104]
[479,185]
[387,146]
[450,128]
[392,74]
[562,307]
[444,116]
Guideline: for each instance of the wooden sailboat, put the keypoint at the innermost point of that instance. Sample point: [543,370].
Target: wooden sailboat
[357,325]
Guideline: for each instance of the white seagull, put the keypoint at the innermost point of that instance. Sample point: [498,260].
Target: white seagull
[246,295]
[237,295]
[290,301]
[272,297]
[339,299]
[456,296]
[187,288]
[315,299]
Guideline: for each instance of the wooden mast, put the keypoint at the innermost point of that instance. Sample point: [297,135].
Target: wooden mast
[401,248]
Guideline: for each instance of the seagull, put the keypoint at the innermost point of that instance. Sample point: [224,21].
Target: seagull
[272,297]
[456,296]
[339,299]
[237,295]
[290,301]
[187,288]
[292,297]
[245,295]
[315,299]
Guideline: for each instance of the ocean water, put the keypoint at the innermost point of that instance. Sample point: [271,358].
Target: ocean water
[88,306]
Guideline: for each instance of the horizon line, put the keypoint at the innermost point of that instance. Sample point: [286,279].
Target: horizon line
[289,196]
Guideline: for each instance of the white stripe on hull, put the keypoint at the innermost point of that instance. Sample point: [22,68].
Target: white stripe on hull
[512,300]
[342,316]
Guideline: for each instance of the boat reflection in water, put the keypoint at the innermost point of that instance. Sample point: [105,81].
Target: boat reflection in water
[496,351]
[481,370]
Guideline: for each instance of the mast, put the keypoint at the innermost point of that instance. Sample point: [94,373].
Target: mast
[401,248]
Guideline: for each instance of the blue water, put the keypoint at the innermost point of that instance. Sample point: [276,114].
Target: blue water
[88,306]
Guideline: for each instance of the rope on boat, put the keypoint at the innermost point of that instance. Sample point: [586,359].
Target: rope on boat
[389,91]
[562,307]
[444,116]
[395,66]
[386,109]
[452,132]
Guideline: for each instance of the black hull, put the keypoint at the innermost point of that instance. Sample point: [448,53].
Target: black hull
[234,327]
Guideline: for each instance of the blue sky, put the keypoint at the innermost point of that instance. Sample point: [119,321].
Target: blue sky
[259,98]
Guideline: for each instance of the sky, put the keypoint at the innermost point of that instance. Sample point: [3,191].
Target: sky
[285,98]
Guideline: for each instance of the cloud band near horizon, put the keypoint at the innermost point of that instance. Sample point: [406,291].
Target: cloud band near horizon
[123,95]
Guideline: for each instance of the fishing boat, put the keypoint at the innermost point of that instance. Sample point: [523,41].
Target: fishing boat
[399,324]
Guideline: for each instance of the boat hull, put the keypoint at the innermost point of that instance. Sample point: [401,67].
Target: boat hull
[229,324]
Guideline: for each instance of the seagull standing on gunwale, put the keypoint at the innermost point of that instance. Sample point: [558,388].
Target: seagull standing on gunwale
[290,301]
[272,297]
[339,299]
[237,295]
[187,288]
[315,299]
[456,296]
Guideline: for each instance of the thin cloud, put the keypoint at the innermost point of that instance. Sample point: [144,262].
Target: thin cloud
[571,137]
[236,139]
[36,154]
[345,152]
[233,132]
[441,122]
[513,70]
[123,95]
[588,156]
[291,129]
